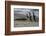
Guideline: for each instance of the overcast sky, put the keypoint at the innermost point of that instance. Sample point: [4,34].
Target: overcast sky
[26,11]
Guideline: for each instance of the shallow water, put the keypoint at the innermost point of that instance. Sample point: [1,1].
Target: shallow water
[26,24]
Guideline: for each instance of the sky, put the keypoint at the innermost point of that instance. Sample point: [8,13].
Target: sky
[25,11]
